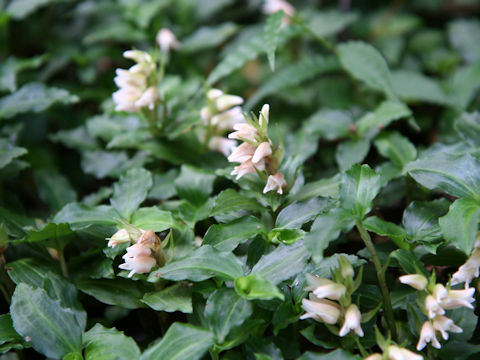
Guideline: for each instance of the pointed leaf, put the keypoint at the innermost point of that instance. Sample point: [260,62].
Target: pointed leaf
[272,30]
[351,152]
[177,297]
[109,344]
[397,148]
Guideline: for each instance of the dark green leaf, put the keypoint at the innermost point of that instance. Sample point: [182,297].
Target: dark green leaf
[397,148]
[468,126]
[351,152]
[323,187]
[465,35]
[371,123]
[420,219]
[285,236]
[230,201]
[194,185]
[295,215]
[338,354]
[414,87]
[54,189]
[109,344]
[8,152]
[386,228]
[79,216]
[409,262]
[177,297]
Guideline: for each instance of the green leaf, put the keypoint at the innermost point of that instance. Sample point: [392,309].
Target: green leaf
[282,263]
[177,297]
[80,216]
[102,343]
[20,9]
[386,228]
[29,271]
[330,22]
[325,228]
[456,175]
[111,163]
[181,341]
[285,236]
[414,87]
[338,354]
[163,185]
[54,189]
[7,332]
[255,287]
[371,123]
[409,262]
[194,185]
[359,186]
[52,329]
[49,231]
[202,264]
[118,291]
[464,34]
[247,50]
[468,126]
[330,124]
[272,30]
[420,219]
[130,191]
[293,74]
[463,84]
[323,187]
[226,237]
[351,152]
[460,225]
[226,310]
[230,201]
[396,147]
[298,213]
[365,63]
[191,214]
[33,97]
[207,37]
[152,218]
[8,152]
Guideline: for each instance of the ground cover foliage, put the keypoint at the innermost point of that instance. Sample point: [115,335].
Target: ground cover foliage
[268,181]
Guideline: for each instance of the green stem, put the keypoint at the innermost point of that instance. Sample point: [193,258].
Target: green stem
[213,354]
[387,303]
[63,263]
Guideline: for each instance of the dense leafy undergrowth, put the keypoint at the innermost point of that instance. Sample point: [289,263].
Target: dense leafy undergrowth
[267,181]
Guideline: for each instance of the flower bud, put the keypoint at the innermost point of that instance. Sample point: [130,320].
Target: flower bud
[225,146]
[167,40]
[427,334]
[226,101]
[138,56]
[120,237]
[398,353]
[321,310]
[352,321]
[263,150]
[213,94]
[264,116]
[416,281]
[375,356]
[275,182]
[346,268]
[458,298]
[325,288]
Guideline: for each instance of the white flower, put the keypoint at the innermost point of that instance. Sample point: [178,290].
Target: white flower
[225,146]
[398,353]
[244,131]
[213,94]
[242,153]
[321,310]
[206,115]
[439,292]
[148,98]
[346,268]
[468,271]
[275,182]
[138,56]
[272,6]
[247,167]
[125,99]
[427,334]
[444,324]
[458,298]
[138,265]
[120,237]
[325,288]
[433,307]
[263,150]
[375,356]
[416,281]
[228,119]
[126,78]
[166,40]
[352,321]
[225,102]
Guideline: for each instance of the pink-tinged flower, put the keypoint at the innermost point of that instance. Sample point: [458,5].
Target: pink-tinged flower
[427,335]
[226,101]
[416,281]
[225,146]
[263,150]
[137,250]
[138,265]
[325,288]
[247,167]
[242,153]
[148,98]
[458,298]
[244,131]
[120,237]
[352,321]
[126,78]
[206,115]
[433,307]
[166,40]
[444,324]
[321,310]
[275,182]
[398,353]
[125,99]
[228,119]
[272,6]
[213,94]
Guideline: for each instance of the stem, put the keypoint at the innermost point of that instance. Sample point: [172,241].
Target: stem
[387,303]
[63,263]
[213,354]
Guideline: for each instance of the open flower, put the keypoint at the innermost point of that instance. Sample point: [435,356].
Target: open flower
[352,321]
[321,310]
[275,182]
[399,353]
[458,298]
[427,335]
[325,288]
[444,324]
[433,307]
[468,271]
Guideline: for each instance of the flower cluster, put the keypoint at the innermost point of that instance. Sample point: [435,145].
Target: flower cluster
[470,270]
[135,91]
[221,113]
[256,153]
[144,254]
[436,300]
[330,301]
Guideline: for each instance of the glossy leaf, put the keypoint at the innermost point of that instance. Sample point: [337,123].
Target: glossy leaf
[255,287]
[79,216]
[152,218]
[420,219]
[298,213]
[351,152]
[109,344]
[174,298]
[397,148]
[386,228]
[231,201]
